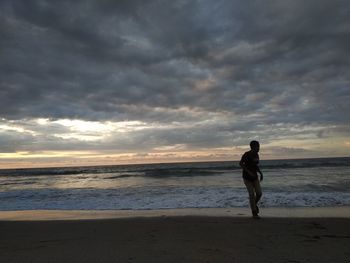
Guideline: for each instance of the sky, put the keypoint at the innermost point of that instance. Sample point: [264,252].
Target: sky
[113,82]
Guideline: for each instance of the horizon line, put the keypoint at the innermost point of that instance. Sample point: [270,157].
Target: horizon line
[175,162]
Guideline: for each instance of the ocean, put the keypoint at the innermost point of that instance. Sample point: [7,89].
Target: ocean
[287,183]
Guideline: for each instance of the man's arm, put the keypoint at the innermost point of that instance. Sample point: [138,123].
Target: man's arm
[261,174]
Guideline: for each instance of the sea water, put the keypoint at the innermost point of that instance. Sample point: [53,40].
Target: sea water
[287,183]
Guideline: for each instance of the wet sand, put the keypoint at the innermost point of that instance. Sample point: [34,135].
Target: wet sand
[176,237]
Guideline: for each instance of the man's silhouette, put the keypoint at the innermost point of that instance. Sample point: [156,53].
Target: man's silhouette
[250,165]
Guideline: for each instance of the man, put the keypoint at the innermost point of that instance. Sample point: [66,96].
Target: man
[249,164]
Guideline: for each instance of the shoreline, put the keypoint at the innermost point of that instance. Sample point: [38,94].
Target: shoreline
[275,212]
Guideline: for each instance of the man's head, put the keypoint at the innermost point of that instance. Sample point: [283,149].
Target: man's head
[255,146]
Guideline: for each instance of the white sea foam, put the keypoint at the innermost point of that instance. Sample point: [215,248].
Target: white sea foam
[161,197]
[287,183]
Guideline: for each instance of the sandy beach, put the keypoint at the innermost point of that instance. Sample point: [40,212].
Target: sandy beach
[190,235]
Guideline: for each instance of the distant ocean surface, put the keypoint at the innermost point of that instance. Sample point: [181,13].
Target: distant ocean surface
[287,183]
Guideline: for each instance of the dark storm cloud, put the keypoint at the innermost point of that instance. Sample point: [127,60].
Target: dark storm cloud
[283,61]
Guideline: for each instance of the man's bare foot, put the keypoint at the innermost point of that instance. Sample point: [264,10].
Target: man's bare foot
[256,216]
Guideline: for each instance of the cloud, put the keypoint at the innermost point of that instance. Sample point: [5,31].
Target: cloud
[198,73]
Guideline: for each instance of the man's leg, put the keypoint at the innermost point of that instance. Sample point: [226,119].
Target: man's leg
[251,192]
[258,193]
[257,189]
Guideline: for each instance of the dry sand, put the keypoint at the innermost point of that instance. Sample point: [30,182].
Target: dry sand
[175,237]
